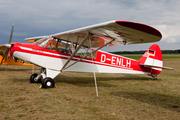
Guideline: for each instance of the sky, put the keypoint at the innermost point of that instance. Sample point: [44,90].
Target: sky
[33,18]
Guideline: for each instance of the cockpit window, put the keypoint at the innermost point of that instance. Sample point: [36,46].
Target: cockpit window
[44,41]
[66,47]
[52,45]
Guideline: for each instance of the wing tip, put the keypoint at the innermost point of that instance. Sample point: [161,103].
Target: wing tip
[140,27]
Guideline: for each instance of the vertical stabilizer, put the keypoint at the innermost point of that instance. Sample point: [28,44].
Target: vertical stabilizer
[152,58]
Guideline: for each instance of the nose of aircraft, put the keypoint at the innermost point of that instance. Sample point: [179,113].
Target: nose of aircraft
[11,50]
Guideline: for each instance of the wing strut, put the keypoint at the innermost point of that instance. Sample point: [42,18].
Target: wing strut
[82,42]
[89,54]
[94,75]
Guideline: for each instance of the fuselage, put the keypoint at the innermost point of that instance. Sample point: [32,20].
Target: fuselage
[103,62]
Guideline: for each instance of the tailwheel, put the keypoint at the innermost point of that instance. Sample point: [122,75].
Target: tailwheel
[33,80]
[154,76]
[48,83]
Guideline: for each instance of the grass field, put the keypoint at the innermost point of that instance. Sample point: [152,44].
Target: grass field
[121,96]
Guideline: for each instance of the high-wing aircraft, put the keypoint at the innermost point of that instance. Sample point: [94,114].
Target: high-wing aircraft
[79,51]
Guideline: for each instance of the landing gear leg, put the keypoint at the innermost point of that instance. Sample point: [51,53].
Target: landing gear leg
[33,80]
[48,75]
[154,76]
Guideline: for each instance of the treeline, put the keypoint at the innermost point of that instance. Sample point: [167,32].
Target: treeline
[142,52]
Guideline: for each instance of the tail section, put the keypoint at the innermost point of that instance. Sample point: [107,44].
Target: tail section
[152,58]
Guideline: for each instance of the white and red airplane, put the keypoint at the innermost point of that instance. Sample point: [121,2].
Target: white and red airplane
[79,51]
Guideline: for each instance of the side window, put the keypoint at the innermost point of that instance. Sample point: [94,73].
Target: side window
[63,46]
[86,52]
[94,55]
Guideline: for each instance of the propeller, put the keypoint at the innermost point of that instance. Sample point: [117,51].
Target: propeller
[8,46]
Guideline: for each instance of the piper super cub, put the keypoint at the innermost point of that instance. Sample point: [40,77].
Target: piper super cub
[79,51]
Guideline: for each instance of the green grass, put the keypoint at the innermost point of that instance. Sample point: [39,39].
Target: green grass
[121,96]
[170,57]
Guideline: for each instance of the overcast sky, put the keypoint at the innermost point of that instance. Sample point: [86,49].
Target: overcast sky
[44,17]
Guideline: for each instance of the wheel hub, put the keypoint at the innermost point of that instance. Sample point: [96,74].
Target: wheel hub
[48,83]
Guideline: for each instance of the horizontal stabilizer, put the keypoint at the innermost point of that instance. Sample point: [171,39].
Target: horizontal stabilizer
[152,66]
[168,68]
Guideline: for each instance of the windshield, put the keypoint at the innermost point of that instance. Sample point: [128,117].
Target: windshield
[44,41]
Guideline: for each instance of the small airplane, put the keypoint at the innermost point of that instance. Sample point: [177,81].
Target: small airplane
[78,50]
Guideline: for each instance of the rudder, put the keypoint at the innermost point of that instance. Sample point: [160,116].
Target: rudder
[152,58]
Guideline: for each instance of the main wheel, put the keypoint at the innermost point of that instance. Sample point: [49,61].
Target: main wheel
[33,80]
[48,83]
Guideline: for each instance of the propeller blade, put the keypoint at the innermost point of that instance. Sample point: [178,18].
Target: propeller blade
[11,34]
[5,57]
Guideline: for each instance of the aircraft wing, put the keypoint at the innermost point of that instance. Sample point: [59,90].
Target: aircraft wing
[123,33]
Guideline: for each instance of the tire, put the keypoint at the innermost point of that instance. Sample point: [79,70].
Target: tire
[32,78]
[48,83]
[155,78]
